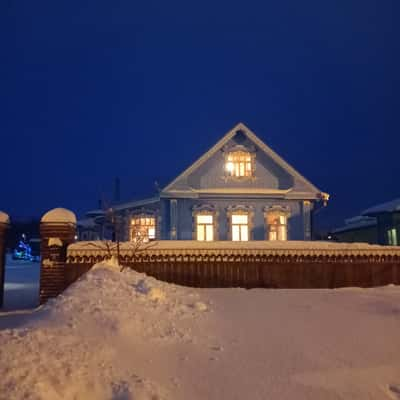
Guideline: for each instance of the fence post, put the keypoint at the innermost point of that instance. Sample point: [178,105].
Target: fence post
[57,231]
[4,225]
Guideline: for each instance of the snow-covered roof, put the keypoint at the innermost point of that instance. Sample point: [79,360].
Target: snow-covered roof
[86,223]
[4,218]
[357,222]
[59,215]
[388,207]
[94,213]
[136,203]
[193,247]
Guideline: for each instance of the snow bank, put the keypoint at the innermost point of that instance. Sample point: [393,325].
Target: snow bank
[124,335]
[4,218]
[60,215]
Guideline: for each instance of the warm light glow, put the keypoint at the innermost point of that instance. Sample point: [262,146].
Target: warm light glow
[240,227]
[240,219]
[205,227]
[204,219]
[277,226]
[239,164]
[143,227]
[229,166]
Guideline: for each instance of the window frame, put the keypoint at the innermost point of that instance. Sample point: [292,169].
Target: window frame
[204,210]
[135,233]
[240,210]
[279,229]
[242,161]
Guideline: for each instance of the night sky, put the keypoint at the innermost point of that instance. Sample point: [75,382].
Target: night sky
[92,90]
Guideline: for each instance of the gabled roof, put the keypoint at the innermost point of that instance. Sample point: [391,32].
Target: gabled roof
[256,140]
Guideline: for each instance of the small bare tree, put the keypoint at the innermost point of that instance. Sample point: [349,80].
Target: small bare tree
[114,222]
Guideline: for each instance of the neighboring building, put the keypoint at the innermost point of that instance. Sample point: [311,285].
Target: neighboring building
[388,221]
[239,190]
[357,229]
[377,225]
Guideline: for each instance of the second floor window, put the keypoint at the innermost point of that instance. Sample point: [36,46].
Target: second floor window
[240,227]
[239,164]
[143,228]
[205,227]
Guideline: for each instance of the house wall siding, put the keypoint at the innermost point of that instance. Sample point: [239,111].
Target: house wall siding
[296,221]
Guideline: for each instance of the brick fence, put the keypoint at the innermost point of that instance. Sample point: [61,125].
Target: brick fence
[4,225]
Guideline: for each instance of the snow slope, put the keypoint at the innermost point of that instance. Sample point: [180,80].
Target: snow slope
[123,336]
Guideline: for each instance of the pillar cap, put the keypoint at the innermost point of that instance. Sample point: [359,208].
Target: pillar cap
[59,216]
[4,218]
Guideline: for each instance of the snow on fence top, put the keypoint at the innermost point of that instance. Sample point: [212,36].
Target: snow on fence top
[59,215]
[4,218]
[193,247]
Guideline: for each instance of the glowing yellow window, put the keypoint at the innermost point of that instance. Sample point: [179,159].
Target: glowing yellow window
[143,228]
[239,164]
[277,226]
[205,227]
[240,227]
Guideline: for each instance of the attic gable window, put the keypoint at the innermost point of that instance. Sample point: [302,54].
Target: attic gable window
[239,164]
[143,227]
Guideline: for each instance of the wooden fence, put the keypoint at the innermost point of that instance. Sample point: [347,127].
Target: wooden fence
[249,271]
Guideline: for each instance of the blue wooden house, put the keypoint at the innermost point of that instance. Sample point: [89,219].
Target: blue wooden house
[239,190]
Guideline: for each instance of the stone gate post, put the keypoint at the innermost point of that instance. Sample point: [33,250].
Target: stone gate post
[57,231]
[4,225]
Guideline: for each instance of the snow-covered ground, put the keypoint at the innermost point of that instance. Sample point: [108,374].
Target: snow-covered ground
[124,336]
[21,289]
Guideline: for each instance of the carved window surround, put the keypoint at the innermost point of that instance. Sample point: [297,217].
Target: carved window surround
[240,210]
[205,209]
[276,222]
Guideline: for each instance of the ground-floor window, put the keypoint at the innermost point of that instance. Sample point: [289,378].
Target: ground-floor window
[205,227]
[143,228]
[276,221]
[240,227]
[392,237]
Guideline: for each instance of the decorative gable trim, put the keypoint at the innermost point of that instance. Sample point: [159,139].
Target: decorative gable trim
[252,137]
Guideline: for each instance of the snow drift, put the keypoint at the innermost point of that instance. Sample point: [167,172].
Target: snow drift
[125,336]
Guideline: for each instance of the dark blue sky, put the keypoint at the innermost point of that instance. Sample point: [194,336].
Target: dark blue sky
[91,90]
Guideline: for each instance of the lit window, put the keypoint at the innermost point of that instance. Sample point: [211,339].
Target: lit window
[277,226]
[205,227]
[143,228]
[392,237]
[239,164]
[240,227]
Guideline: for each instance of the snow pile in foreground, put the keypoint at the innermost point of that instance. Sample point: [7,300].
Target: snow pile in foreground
[125,336]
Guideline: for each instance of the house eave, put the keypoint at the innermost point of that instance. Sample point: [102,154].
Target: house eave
[240,193]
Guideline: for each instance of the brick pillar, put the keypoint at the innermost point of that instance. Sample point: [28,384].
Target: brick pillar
[4,225]
[57,231]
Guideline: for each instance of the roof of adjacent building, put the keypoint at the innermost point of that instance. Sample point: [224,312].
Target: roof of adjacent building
[355,223]
[388,207]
